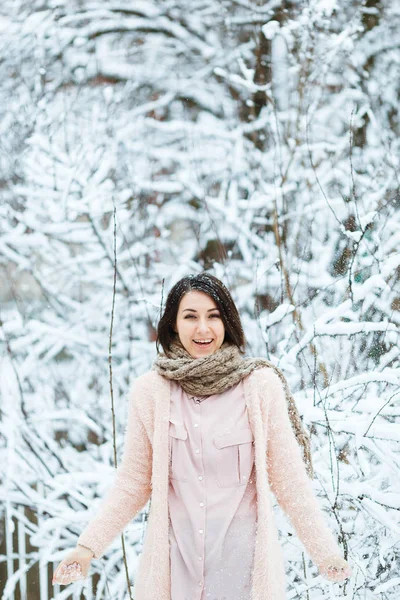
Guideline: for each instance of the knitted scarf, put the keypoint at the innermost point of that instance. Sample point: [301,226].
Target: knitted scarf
[214,373]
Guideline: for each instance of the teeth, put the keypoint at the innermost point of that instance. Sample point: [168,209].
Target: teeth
[202,341]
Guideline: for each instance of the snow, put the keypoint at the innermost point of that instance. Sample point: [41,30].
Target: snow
[144,142]
[270,29]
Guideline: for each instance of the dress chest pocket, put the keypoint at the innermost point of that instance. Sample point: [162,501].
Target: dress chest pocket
[235,457]
[177,451]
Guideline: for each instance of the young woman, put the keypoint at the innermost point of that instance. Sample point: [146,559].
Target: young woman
[209,434]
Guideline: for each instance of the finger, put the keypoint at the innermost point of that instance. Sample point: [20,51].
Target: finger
[56,575]
[59,579]
[74,570]
[64,578]
[335,569]
[77,574]
[66,575]
[339,577]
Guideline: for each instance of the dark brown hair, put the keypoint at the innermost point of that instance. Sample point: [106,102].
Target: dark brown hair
[213,287]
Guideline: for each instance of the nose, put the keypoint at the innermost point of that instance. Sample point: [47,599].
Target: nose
[202,326]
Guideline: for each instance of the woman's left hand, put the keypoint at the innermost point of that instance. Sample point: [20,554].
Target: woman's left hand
[335,568]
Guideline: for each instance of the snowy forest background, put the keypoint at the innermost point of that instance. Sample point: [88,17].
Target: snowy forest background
[144,140]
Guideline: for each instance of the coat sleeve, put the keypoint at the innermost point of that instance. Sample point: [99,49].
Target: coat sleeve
[131,488]
[290,482]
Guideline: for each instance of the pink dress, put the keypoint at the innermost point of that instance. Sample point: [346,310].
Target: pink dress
[212,497]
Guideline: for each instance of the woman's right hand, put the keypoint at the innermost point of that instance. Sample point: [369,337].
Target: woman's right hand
[74,566]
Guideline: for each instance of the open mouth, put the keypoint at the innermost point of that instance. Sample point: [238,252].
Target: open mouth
[203,344]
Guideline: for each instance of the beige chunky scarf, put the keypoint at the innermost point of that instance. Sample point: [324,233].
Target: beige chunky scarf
[214,373]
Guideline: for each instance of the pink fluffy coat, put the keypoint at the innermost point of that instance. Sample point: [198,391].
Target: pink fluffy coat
[143,472]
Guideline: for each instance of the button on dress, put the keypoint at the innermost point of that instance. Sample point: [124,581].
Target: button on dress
[212,499]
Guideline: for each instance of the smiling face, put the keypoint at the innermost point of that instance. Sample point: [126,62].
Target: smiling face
[199,319]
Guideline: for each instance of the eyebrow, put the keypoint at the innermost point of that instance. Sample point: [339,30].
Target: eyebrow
[194,310]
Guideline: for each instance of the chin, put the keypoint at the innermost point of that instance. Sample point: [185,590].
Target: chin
[195,353]
[200,354]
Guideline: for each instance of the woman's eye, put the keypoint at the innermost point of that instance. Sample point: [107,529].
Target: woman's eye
[192,316]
